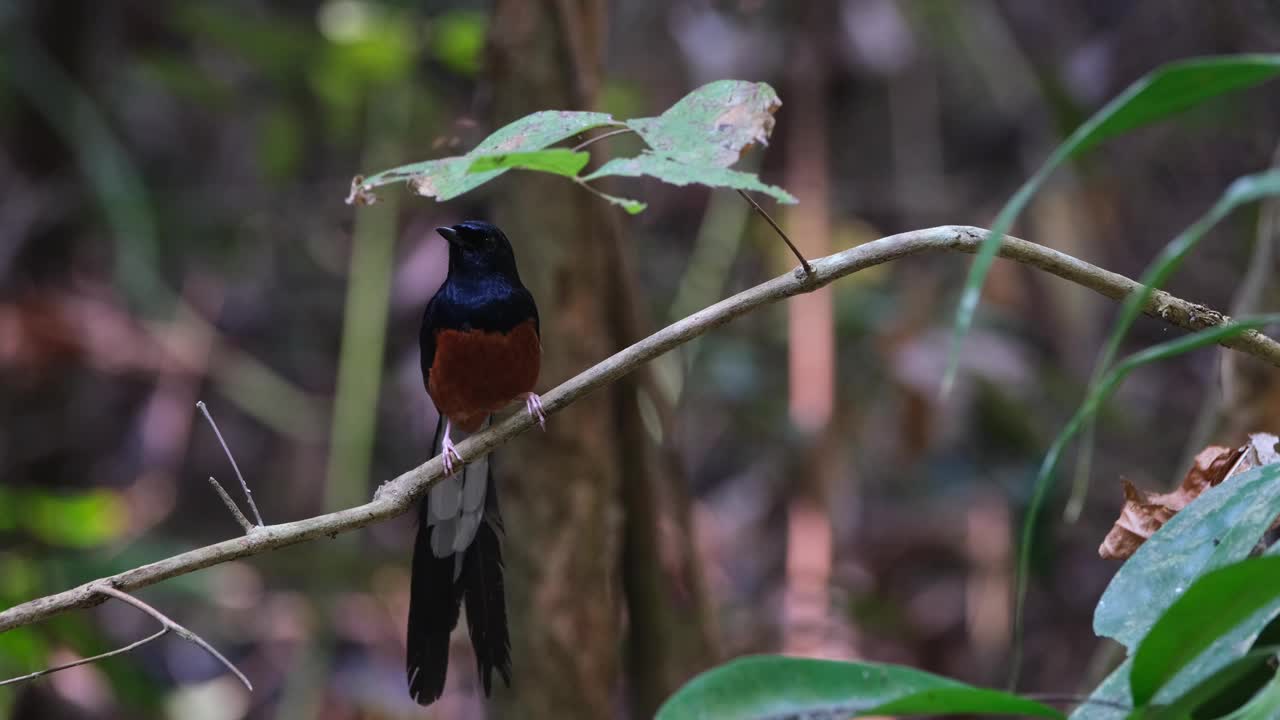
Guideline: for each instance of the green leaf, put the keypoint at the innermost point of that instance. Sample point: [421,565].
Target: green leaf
[1212,606]
[1247,189]
[633,207]
[1169,89]
[773,686]
[1220,527]
[680,173]
[1184,570]
[1204,680]
[695,141]
[448,178]
[1264,706]
[713,125]
[556,160]
[1211,687]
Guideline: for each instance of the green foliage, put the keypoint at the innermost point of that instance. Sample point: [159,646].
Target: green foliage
[1194,613]
[1247,189]
[771,686]
[1168,90]
[695,141]
[1093,401]
[448,178]
[81,519]
[679,173]
[558,161]
[1214,605]
[457,39]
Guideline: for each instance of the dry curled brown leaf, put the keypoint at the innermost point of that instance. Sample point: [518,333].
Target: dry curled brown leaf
[1145,512]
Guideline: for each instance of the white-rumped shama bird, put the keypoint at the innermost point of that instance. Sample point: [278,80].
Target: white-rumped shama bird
[481,350]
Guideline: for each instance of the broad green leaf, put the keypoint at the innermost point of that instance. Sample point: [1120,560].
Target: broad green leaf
[773,686]
[695,141]
[1213,605]
[1169,89]
[556,160]
[449,177]
[1135,614]
[681,173]
[1219,527]
[713,125]
[1223,664]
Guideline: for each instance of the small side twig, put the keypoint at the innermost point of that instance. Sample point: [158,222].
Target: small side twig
[804,264]
[248,494]
[170,625]
[85,661]
[166,626]
[231,505]
[808,270]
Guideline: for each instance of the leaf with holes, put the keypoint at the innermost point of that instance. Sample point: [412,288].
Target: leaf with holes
[693,142]
[713,125]
[450,177]
[679,173]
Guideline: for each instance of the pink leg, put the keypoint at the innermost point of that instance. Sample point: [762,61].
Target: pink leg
[449,452]
[533,404]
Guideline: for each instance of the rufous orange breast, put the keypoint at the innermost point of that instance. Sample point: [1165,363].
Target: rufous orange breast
[476,373]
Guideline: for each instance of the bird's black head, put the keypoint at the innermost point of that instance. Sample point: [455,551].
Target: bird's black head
[476,246]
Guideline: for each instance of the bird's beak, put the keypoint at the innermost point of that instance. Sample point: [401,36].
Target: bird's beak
[448,234]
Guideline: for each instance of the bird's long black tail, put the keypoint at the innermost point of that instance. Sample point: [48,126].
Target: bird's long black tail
[443,580]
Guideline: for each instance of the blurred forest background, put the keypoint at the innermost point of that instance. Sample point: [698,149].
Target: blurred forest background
[172,229]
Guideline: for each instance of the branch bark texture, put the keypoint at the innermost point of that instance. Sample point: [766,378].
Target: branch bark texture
[398,495]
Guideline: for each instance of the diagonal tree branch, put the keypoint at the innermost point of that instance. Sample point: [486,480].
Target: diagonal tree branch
[397,496]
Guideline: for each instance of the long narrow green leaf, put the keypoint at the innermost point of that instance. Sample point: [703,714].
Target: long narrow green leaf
[1088,408]
[1247,189]
[1213,605]
[1170,89]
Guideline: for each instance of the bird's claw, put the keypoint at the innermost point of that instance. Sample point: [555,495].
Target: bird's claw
[451,455]
[534,405]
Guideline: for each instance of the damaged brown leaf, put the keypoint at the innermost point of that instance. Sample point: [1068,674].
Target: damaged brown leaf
[1145,512]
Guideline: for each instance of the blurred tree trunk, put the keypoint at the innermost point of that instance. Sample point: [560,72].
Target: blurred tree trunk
[580,502]
[559,490]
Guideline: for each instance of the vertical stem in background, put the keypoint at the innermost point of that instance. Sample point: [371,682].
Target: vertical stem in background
[364,326]
[811,331]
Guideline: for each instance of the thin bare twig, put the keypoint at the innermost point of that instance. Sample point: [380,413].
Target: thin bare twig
[167,625]
[85,661]
[231,505]
[808,271]
[602,136]
[399,495]
[248,494]
[170,625]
